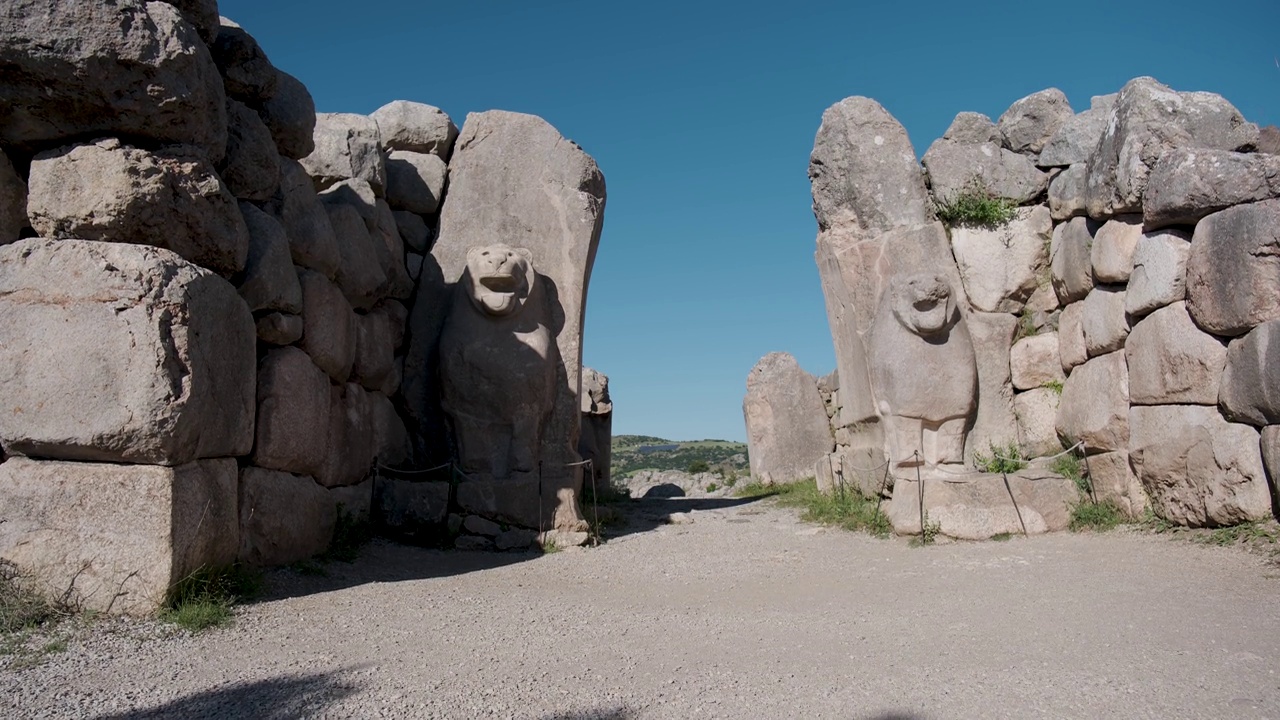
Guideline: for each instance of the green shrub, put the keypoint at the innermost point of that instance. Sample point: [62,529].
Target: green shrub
[848,510]
[1098,517]
[1006,459]
[698,466]
[977,206]
[1069,467]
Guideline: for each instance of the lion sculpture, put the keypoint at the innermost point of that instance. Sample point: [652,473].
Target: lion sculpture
[498,362]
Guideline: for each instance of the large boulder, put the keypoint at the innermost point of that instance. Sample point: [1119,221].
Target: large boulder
[864,171]
[13,202]
[416,127]
[1171,362]
[392,445]
[114,193]
[1071,346]
[312,243]
[350,441]
[787,428]
[1159,275]
[203,14]
[1070,259]
[1199,469]
[346,146]
[360,276]
[269,281]
[329,325]
[1034,362]
[246,71]
[1112,479]
[1095,405]
[121,353]
[86,69]
[280,328]
[1037,412]
[1251,381]
[994,421]
[293,413]
[1001,267]
[375,350]
[1077,137]
[1113,246]
[1029,124]
[595,442]
[290,116]
[251,168]
[971,128]
[954,168]
[1189,183]
[413,231]
[1232,272]
[117,538]
[1067,192]
[283,518]
[415,181]
[1105,324]
[980,506]
[1149,120]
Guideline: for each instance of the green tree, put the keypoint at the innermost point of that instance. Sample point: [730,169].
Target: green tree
[698,466]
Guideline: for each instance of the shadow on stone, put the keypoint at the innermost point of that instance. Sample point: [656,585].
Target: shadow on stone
[276,699]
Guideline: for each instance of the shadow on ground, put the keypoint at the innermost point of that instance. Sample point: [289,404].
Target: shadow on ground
[282,698]
[386,561]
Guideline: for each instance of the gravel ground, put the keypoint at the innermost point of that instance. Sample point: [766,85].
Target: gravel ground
[732,610]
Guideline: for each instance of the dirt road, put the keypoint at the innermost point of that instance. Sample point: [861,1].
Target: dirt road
[736,611]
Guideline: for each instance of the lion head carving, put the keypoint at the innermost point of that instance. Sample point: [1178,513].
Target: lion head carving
[498,278]
[923,304]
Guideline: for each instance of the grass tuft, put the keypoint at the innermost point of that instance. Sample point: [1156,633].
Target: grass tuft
[1098,517]
[849,510]
[21,606]
[1069,467]
[204,598]
[1250,532]
[1002,459]
[976,206]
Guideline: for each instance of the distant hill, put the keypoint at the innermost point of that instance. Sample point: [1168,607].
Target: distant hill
[646,452]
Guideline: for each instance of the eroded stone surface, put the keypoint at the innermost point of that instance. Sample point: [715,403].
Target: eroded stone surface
[284,518]
[1171,362]
[1251,381]
[1234,269]
[787,429]
[1095,405]
[1002,267]
[1159,272]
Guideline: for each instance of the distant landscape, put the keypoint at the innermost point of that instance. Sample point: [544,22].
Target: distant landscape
[645,452]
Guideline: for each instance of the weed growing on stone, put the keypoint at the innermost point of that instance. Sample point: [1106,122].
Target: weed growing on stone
[930,532]
[1002,537]
[1068,466]
[1026,325]
[203,599]
[1002,459]
[755,489]
[712,487]
[1156,524]
[977,206]
[1055,386]
[1098,517]
[1250,532]
[848,510]
[21,607]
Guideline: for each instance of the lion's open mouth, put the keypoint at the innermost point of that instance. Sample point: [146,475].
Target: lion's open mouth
[500,283]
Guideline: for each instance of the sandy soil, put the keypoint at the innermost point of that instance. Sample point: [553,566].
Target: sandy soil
[736,610]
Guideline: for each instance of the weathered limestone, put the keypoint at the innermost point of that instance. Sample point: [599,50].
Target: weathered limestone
[1171,362]
[953,168]
[513,177]
[121,353]
[1103,319]
[1034,362]
[13,202]
[246,71]
[359,274]
[350,443]
[971,128]
[415,181]
[1067,192]
[1188,183]
[412,511]
[979,506]
[346,147]
[1251,381]
[1150,119]
[1234,269]
[1037,412]
[312,243]
[1271,454]
[787,428]
[1159,272]
[1029,124]
[280,329]
[290,116]
[251,168]
[1071,347]
[1113,480]
[415,127]
[595,442]
[1095,405]
[1070,259]
[284,518]
[293,413]
[1077,137]
[1002,267]
[995,422]
[1198,469]
[203,14]
[116,538]
[78,69]
[114,193]
[391,443]
[920,332]
[374,351]
[270,282]
[329,325]
[413,230]
[1113,247]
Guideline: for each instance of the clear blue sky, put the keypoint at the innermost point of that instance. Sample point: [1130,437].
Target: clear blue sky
[702,116]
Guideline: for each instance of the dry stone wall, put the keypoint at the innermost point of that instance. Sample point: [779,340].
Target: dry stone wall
[1129,305]
[205,290]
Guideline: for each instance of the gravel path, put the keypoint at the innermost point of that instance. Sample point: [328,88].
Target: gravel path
[735,610]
